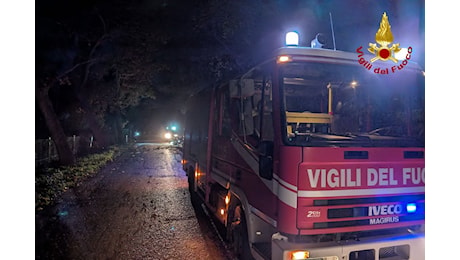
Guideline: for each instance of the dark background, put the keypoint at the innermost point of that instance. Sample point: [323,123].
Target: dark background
[134,64]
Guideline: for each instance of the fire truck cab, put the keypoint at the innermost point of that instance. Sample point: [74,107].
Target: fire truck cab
[311,155]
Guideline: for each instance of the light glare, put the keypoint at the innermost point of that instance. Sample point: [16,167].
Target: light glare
[298,255]
[292,38]
[411,208]
[283,58]
[354,84]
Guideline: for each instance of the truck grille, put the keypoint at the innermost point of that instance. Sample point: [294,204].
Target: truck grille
[371,211]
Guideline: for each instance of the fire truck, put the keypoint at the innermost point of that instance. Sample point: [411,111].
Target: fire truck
[313,154]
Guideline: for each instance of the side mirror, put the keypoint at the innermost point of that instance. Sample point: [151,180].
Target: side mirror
[266,160]
[244,89]
[241,88]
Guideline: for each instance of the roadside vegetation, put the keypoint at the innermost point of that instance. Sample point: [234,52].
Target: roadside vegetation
[52,181]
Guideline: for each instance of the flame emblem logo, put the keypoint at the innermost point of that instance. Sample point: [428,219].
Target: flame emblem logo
[384,37]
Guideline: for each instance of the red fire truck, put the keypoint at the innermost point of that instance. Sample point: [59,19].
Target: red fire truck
[313,154]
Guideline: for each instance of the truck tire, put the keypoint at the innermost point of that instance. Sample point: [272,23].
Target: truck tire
[191,184]
[237,233]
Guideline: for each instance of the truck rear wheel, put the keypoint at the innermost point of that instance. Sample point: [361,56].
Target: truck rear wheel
[237,233]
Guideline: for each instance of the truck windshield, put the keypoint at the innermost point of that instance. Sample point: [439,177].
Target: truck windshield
[327,104]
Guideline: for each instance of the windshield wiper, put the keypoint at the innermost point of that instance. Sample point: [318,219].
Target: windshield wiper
[352,139]
[395,131]
[324,139]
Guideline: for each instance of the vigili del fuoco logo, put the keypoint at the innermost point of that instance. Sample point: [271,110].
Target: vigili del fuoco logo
[383,50]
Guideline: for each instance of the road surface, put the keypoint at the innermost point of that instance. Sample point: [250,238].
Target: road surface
[137,207]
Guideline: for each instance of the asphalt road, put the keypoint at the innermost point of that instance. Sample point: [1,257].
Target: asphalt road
[137,207]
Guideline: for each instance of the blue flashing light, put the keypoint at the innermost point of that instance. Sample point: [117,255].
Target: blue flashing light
[137,133]
[292,39]
[174,128]
[411,207]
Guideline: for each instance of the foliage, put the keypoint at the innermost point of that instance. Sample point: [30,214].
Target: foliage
[124,59]
[123,54]
[51,182]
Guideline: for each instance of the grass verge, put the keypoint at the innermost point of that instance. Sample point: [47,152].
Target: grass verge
[51,182]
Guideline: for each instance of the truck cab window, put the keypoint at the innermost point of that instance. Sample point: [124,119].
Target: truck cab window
[341,104]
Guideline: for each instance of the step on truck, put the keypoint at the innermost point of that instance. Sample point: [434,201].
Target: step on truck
[312,155]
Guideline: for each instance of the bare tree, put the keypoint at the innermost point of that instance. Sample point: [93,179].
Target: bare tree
[66,157]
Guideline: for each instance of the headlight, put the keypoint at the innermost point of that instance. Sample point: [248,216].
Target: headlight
[299,255]
[305,255]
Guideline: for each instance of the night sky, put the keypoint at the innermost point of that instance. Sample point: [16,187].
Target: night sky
[170,47]
[147,57]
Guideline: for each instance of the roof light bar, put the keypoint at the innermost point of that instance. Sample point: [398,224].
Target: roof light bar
[292,39]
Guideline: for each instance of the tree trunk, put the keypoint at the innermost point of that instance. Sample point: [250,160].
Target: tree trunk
[117,127]
[66,157]
[100,136]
